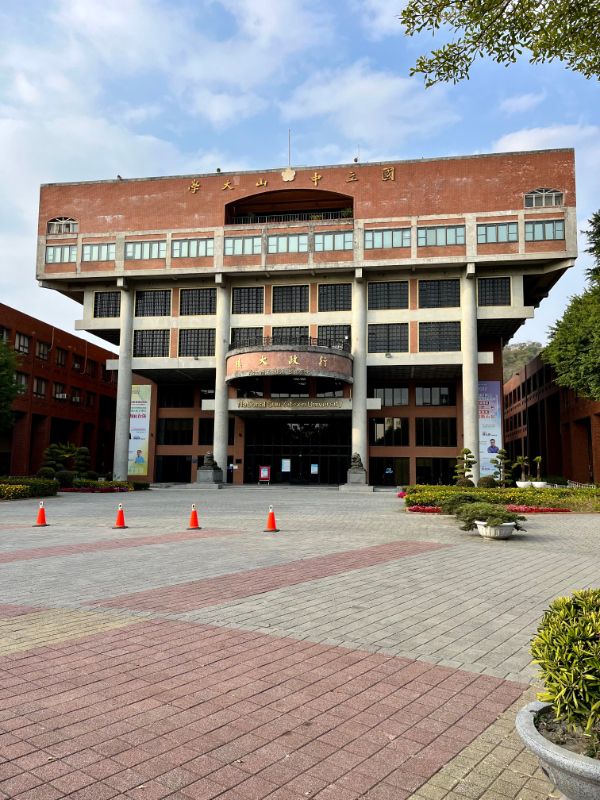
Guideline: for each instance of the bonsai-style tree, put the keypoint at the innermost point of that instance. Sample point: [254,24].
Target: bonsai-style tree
[538,468]
[463,471]
[82,461]
[502,466]
[490,513]
[523,463]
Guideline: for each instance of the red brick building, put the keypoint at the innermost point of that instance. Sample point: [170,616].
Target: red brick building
[293,317]
[66,395]
[544,419]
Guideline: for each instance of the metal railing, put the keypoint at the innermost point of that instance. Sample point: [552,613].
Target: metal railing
[292,341]
[300,216]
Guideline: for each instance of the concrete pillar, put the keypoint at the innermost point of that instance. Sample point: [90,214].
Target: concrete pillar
[221,393]
[470,374]
[121,452]
[359,353]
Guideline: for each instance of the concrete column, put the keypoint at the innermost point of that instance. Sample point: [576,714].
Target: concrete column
[359,353]
[470,374]
[221,399]
[121,452]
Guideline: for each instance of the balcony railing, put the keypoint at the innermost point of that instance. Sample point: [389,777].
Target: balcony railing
[262,342]
[300,216]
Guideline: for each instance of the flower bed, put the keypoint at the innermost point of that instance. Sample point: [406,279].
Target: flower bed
[537,510]
[574,499]
[102,490]
[425,509]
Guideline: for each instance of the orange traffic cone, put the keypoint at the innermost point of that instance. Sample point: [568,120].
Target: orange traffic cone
[271,524]
[194,525]
[120,520]
[41,517]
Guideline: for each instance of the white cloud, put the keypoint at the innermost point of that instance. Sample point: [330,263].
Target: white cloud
[519,103]
[370,107]
[379,18]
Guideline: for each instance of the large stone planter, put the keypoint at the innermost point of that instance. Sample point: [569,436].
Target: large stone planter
[577,777]
[539,484]
[503,531]
[524,484]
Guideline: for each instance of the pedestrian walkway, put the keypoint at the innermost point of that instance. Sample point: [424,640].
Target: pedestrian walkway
[362,652]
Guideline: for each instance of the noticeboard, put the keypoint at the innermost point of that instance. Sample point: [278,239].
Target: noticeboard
[264,474]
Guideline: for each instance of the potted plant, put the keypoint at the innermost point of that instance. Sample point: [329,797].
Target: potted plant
[492,521]
[563,730]
[523,463]
[538,483]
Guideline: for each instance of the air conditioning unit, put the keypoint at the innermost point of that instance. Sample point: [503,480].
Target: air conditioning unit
[61,396]
[75,399]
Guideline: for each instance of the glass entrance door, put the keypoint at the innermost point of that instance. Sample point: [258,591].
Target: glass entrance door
[299,450]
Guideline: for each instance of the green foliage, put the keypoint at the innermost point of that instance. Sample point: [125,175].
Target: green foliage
[490,513]
[463,471]
[140,486]
[487,482]
[574,499]
[8,387]
[81,460]
[593,237]
[37,487]
[538,467]
[65,477]
[522,462]
[46,472]
[13,491]
[502,30]
[451,504]
[515,356]
[566,648]
[91,475]
[502,466]
[84,483]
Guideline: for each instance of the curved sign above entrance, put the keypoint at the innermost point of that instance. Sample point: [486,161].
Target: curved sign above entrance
[249,362]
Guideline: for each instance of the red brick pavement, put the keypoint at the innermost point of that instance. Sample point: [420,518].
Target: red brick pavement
[191,712]
[213,591]
[8,610]
[52,551]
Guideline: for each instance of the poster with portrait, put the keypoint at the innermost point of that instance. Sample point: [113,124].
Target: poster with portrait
[139,430]
[490,424]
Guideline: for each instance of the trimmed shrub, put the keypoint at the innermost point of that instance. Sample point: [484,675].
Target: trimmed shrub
[90,475]
[65,477]
[463,482]
[452,504]
[574,499]
[46,472]
[490,513]
[106,486]
[487,482]
[38,487]
[140,486]
[566,650]
[13,491]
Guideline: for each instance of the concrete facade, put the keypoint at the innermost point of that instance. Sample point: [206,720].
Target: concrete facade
[419,271]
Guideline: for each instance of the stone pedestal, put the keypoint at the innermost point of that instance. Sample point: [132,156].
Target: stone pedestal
[210,474]
[356,477]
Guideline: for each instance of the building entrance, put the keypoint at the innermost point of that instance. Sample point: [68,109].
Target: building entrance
[299,450]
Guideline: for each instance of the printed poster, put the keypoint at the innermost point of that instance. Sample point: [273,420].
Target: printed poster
[490,424]
[139,430]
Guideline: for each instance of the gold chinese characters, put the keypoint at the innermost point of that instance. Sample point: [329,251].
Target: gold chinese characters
[194,186]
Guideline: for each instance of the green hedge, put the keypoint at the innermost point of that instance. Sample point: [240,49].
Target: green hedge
[574,499]
[13,491]
[36,487]
[84,483]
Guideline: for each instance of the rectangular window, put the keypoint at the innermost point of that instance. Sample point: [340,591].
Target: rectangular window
[59,391]
[98,252]
[206,429]
[76,395]
[192,248]
[175,431]
[293,335]
[39,387]
[197,342]
[4,334]
[90,399]
[197,301]
[336,336]
[22,343]
[107,304]
[391,395]
[435,396]
[391,338]
[388,432]
[61,254]
[289,386]
[437,337]
[151,344]
[329,387]
[139,251]
[91,368]
[246,337]
[503,232]
[290,299]
[440,236]
[153,303]
[388,294]
[493,291]
[175,396]
[42,350]
[435,432]
[297,243]
[247,300]
[439,294]
[333,241]
[243,245]
[395,237]
[77,362]
[544,231]
[22,381]
[335,296]
[61,357]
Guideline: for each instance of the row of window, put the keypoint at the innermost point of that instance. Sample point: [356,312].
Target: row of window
[430,236]
[59,390]
[43,351]
[295,298]
[393,338]
[424,395]
[429,432]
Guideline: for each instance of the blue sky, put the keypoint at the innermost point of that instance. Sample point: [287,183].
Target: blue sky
[94,88]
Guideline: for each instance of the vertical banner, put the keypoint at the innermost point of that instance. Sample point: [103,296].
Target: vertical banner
[139,430]
[490,424]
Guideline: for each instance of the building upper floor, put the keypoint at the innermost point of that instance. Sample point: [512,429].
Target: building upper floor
[510,208]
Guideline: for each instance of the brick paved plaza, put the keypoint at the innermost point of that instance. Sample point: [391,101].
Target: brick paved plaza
[360,652]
